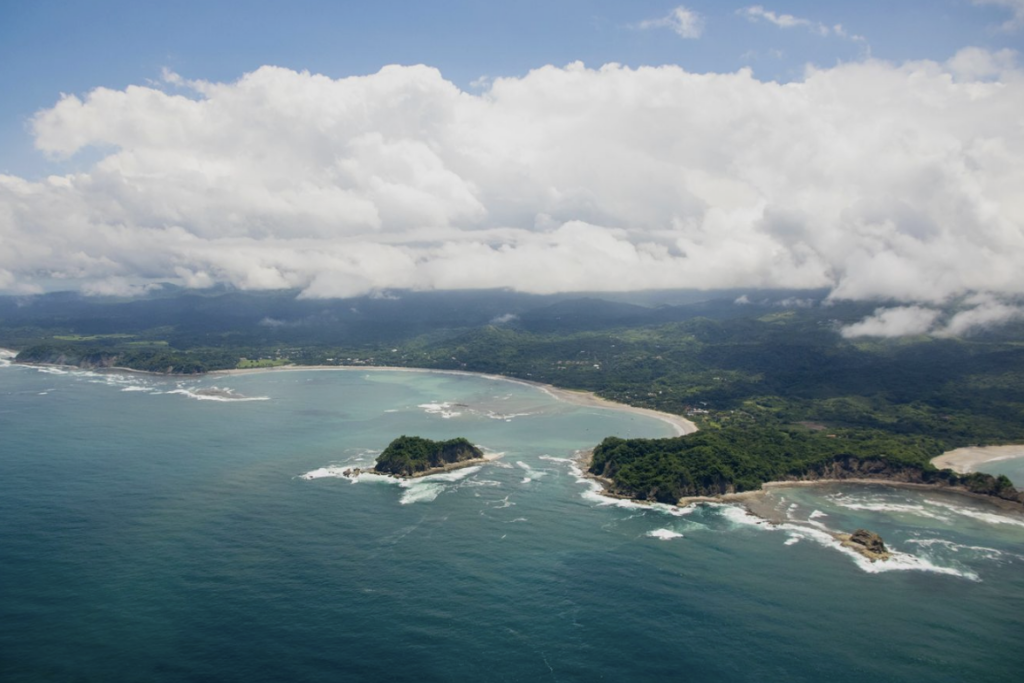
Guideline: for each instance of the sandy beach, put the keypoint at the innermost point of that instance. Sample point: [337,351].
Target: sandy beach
[584,399]
[965,460]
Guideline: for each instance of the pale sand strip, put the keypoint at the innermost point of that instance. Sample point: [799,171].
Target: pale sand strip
[965,460]
[585,399]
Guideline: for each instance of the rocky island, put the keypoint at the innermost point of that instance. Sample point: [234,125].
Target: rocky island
[414,456]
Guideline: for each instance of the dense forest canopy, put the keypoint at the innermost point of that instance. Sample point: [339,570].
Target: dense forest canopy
[774,385]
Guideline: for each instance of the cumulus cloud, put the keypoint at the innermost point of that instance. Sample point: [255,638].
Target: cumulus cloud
[900,321]
[684,22]
[877,180]
[1016,9]
[986,313]
[975,313]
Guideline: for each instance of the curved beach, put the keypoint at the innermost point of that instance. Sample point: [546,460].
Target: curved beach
[967,460]
[584,399]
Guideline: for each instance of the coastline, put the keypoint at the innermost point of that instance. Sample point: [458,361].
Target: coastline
[755,501]
[450,467]
[583,399]
[967,460]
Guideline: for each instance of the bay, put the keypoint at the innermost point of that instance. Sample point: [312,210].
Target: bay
[154,529]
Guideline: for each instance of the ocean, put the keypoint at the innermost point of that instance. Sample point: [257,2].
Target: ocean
[158,529]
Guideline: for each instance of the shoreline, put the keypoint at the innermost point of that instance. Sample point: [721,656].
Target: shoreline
[966,460]
[583,399]
[755,503]
[450,467]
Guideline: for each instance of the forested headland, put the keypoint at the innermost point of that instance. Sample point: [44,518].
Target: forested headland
[777,390]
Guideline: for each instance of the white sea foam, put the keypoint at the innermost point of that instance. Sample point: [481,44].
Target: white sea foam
[222,395]
[322,472]
[664,534]
[454,475]
[442,409]
[595,494]
[481,482]
[551,458]
[531,473]
[898,561]
[817,514]
[421,492]
[506,417]
[986,553]
[47,370]
[895,508]
[990,517]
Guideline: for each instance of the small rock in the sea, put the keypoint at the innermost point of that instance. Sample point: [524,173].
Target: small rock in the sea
[867,543]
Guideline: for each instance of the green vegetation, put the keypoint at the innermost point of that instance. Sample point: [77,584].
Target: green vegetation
[776,390]
[246,363]
[92,337]
[409,455]
[733,460]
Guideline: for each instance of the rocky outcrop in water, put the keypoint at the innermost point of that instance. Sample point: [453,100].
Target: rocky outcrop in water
[867,543]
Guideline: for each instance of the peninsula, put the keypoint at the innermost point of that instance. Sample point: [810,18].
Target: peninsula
[725,463]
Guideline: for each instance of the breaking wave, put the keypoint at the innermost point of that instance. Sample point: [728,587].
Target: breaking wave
[664,534]
[224,395]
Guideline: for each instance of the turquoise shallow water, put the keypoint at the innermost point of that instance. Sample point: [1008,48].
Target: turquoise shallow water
[148,535]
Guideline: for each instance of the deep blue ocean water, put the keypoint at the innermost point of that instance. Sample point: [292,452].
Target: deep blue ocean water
[150,535]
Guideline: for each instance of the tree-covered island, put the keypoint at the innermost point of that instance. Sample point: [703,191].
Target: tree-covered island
[778,391]
[414,456]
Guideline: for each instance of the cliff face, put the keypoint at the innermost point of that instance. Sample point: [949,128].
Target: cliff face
[408,455]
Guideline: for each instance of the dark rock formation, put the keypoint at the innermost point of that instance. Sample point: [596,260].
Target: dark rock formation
[867,543]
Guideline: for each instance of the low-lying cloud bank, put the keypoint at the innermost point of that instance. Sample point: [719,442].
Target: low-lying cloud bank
[879,181]
[977,312]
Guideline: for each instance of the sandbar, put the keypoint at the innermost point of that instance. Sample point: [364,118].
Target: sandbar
[966,460]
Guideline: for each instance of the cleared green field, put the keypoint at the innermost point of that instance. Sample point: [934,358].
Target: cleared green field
[245,363]
[94,337]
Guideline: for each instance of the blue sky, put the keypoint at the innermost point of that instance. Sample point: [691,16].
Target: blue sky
[49,47]
[270,145]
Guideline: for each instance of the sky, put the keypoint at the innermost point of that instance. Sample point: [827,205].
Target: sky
[875,149]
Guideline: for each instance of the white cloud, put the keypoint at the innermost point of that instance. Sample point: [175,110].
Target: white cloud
[893,322]
[759,13]
[684,22]
[1016,8]
[987,312]
[975,63]
[873,179]
[504,319]
[756,13]
[117,286]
